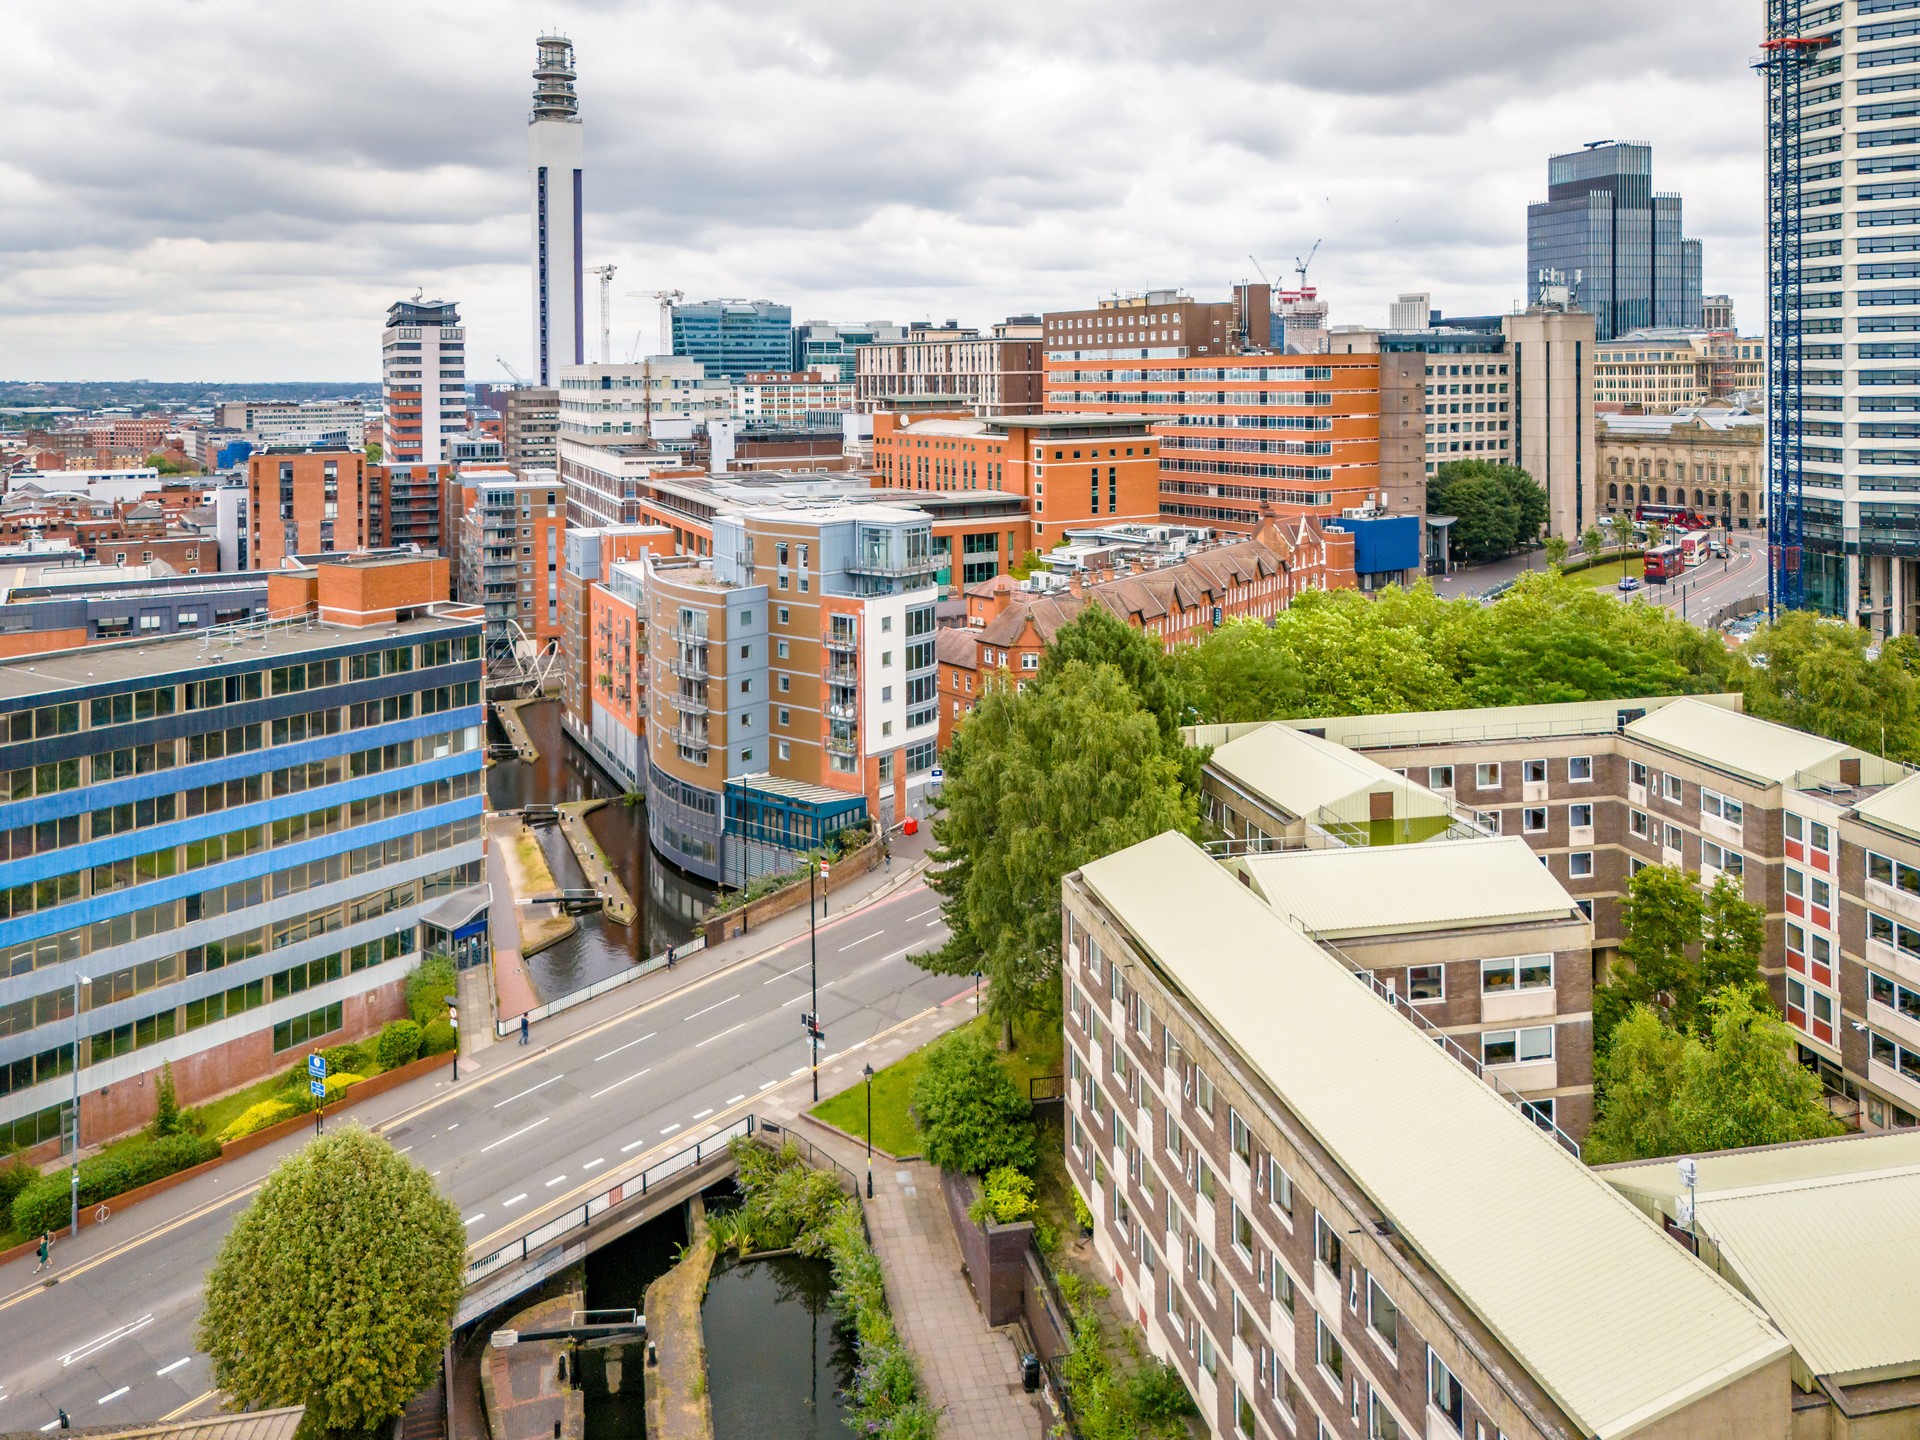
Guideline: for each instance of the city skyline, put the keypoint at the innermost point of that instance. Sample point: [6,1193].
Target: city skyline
[217,200]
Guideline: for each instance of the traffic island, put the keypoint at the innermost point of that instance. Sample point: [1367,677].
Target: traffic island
[618,904]
[542,925]
[678,1407]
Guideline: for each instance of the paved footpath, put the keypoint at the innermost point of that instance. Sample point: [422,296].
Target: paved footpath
[971,1372]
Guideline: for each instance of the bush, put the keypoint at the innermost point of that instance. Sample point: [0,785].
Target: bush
[43,1204]
[1006,1195]
[166,1116]
[345,1059]
[257,1117]
[396,1044]
[438,1038]
[15,1176]
[431,979]
[338,1083]
[972,1114]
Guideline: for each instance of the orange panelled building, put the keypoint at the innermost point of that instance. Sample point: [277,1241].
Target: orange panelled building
[305,503]
[1247,436]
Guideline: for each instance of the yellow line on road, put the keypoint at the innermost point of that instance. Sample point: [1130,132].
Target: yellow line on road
[193,1404]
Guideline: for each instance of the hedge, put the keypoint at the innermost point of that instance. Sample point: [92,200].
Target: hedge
[396,1044]
[43,1205]
[438,1038]
[257,1117]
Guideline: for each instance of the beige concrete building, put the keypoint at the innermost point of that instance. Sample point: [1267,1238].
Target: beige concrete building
[1709,461]
[1332,1228]
[1656,372]
[1552,354]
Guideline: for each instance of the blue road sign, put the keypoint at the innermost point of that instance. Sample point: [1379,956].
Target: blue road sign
[318,1087]
[317,1066]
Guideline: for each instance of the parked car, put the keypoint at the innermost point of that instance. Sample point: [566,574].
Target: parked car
[1629,582]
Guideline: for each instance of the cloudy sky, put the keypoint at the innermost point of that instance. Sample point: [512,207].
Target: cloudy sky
[236,189]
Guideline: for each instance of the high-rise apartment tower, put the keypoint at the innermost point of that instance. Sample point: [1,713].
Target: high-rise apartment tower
[423,374]
[554,147]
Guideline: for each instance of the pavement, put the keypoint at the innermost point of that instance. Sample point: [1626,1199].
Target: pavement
[523,1134]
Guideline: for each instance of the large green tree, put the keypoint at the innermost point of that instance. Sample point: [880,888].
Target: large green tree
[1038,782]
[1667,1092]
[336,1287]
[1677,944]
[1499,508]
[972,1114]
[1825,676]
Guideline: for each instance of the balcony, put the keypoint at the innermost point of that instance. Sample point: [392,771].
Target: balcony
[691,737]
[845,746]
[841,642]
[843,709]
[886,567]
[688,666]
[683,635]
[840,673]
[687,703]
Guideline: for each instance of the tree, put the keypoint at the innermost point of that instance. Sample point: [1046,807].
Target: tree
[1665,1092]
[164,463]
[336,1287]
[1038,783]
[373,453]
[1499,508]
[1556,548]
[1818,675]
[1660,924]
[1622,527]
[1026,565]
[973,1116]
[1592,541]
[1733,936]
[166,1115]
[1099,637]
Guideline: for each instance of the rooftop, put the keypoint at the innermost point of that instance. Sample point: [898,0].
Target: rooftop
[1405,889]
[1611,1318]
[1302,774]
[1895,808]
[1825,1235]
[1756,750]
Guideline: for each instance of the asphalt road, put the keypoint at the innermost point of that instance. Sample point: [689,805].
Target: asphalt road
[1707,589]
[112,1341]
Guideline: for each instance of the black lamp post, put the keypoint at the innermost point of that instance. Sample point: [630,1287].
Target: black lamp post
[453,1019]
[868,1071]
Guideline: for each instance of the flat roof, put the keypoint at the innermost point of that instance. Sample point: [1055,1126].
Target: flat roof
[1613,1320]
[98,664]
[1757,750]
[1499,722]
[1076,419]
[1405,889]
[1895,808]
[1302,773]
[1824,1234]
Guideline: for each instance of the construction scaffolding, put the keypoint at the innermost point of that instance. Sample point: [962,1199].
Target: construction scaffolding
[1783,63]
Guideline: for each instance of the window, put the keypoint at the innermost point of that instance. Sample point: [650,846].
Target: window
[1242,1414]
[1580,817]
[1383,1316]
[1516,1047]
[1721,858]
[1239,1135]
[1893,873]
[303,1028]
[1242,1234]
[1380,1422]
[1439,777]
[1639,824]
[1487,777]
[1580,767]
[1326,1243]
[1525,972]
[1533,772]
[1327,1351]
[1636,773]
[1671,838]
[1580,864]
[1208,1356]
[1204,1268]
[1670,787]
[1279,1187]
[1533,819]
[1444,1393]
[1204,1183]
[1722,807]
[1426,982]
[1202,1092]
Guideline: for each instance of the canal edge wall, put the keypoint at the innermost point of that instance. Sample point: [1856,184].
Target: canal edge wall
[618,905]
[678,1406]
[508,712]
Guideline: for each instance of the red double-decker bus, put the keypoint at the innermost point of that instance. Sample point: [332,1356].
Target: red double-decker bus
[1674,517]
[1664,562]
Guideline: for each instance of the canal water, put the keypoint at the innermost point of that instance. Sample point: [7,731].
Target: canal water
[613,1381]
[778,1357]
[670,903]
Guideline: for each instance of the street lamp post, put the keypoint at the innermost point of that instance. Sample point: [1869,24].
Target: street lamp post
[813,963]
[976,994]
[867,1070]
[73,1168]
[453,1019]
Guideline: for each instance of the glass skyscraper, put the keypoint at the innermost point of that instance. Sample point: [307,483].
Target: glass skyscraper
[735,337]
[1614,241]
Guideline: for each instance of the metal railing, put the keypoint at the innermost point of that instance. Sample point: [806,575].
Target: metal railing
[628,1187]
[664,960]
[842,641]
[687,667]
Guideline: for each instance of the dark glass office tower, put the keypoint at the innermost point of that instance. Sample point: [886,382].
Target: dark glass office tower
[1615,241]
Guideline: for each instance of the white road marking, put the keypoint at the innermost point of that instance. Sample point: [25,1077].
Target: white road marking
[722,1035]
[618,1083]
[736,1099]
[785,973]
[934,924]
[794,1001]
[715,1006]
[934,911]
[528,1091]
[861,941]
[114,1395]
[634,1146]
[453,1127]
[516,1134]
[48,1426]
[628,1046]
[601,1160]
[92,1346]
[403,1150]
[474,1219]
[670,1129]
[509,1204]
[801,1071]
[703,1114]
[770,1084]
[555,1181]
[169,1369]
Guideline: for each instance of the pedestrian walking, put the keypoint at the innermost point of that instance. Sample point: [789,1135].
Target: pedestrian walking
[524,1027]
[45,1252]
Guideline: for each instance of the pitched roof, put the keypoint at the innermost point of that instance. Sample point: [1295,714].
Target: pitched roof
[957,645]
[1616,1322]
[1301,773]
[1759,750]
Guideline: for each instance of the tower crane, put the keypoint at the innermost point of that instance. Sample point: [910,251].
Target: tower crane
[518,378]
[605,272]
[667,299]
[1300,265]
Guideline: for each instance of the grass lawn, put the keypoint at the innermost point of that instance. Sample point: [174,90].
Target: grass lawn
[1611,572]
[1034,1054]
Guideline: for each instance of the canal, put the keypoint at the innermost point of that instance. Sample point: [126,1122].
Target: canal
[669,903]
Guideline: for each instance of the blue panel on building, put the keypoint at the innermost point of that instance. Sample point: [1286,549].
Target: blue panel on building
[1391,542]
